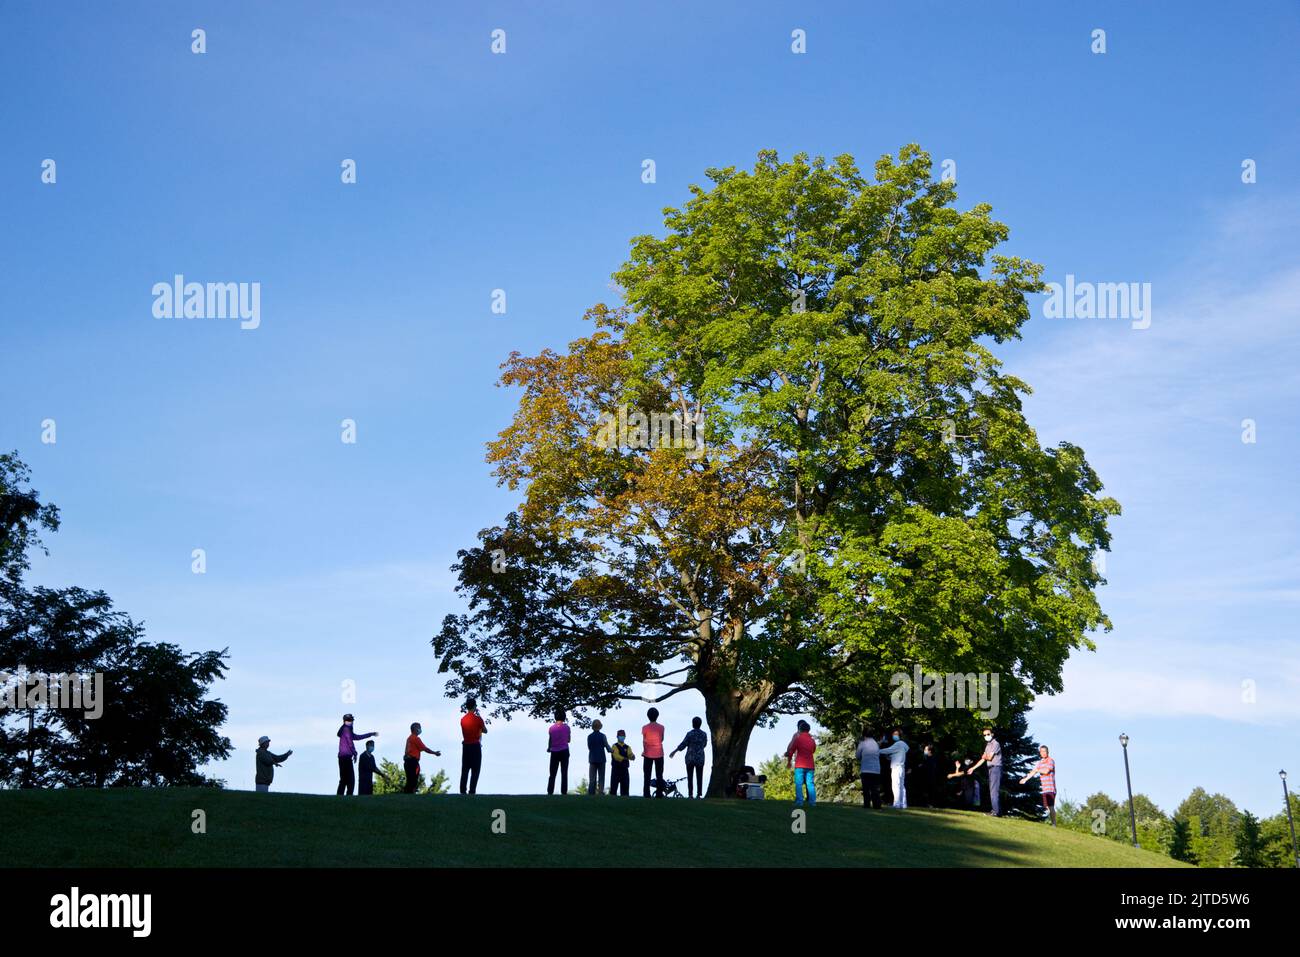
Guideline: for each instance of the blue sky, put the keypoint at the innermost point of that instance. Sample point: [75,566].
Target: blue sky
[329,562]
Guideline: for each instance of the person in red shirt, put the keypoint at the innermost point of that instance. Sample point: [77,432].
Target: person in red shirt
[411,761]
[801,749]
[652,751]
[472,730]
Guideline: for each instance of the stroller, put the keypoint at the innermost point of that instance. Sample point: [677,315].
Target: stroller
[747,785]
[668,789]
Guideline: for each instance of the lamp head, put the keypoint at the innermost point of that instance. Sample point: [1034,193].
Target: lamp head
[1123,740]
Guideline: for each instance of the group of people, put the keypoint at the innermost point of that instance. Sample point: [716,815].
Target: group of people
[559,735]
[800,753]
[472,729]
[869,752]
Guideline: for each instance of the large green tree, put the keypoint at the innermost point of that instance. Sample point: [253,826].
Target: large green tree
[867,495]
[154,724]
[1214,820]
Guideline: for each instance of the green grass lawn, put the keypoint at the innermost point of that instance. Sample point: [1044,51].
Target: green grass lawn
[152,827]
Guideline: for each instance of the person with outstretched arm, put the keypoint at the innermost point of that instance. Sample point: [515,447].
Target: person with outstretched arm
[267,763]
[472,730]
[693,744]
[969,787]
[367,769]
[1045,771]
[348,753]
[411,758]
[897,754]
[992,756]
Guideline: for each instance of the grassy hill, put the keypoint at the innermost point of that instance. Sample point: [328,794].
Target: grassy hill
[152,827]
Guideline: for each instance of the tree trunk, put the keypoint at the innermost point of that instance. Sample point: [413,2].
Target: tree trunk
[731,716]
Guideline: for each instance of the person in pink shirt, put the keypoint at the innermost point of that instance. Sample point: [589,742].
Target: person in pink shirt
[652,750]
[801,749]
[557,744]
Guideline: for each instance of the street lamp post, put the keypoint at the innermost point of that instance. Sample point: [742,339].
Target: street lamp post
[1128,780]
[1286,799]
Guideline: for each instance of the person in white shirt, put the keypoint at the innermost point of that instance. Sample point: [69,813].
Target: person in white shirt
[897,753]
[869,765]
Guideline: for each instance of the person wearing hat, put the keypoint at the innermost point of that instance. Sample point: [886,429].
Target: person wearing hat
[348,754]
[472,730]
[267,763]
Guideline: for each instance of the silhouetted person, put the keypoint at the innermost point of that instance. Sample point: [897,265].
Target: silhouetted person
[367,769]
[557,745]
[411,758]
[652,751]
[348,753]
[267,763]
[472,730]
[694,744]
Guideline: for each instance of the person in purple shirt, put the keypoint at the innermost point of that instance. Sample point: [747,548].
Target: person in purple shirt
[557,745]
[348,754]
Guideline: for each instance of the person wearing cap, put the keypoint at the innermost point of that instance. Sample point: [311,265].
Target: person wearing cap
[992,756]
[348,754]
[472,730]
[620,765]
[411,758]
[367,769]
[267,763]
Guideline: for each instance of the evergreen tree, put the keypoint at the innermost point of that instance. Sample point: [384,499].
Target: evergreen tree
[1214,820]
[1180,842]
[1249,842]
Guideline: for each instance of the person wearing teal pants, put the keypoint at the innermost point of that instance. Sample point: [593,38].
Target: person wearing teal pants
[801,751]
